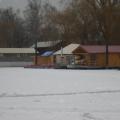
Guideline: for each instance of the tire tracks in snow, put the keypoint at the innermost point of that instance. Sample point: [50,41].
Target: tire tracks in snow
[89,116]
[5,95]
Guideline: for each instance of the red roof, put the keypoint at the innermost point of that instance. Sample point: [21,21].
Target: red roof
[100,48]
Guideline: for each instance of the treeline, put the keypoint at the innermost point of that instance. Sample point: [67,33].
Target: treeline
[18,30]
[81,21]
[91,21]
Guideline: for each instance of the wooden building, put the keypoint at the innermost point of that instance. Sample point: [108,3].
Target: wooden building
[65,55]
[94,55]
[43,47]
[43,57]
[45,60]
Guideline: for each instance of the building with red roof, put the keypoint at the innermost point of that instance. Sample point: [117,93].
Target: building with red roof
[95,55]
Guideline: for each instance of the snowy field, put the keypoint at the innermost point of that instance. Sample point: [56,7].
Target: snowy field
[36,94]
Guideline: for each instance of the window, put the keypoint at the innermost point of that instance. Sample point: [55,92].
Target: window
[93,57]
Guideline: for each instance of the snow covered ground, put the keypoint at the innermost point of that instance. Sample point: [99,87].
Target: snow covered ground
[41,94]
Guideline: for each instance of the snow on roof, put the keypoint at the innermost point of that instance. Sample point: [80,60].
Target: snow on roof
[46,44]
[100,48]
[17,50]
[68,49]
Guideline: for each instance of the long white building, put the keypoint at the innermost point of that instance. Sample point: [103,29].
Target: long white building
[13,57]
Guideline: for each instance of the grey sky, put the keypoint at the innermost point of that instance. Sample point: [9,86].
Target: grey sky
[20,4]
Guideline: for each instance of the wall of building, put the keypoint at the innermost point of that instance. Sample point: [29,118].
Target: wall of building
[114,59]
[99,59]
[44,60]
[15,64]
[15,60]
[65,59]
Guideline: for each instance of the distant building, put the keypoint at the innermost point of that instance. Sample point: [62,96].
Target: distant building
[47,46]
[16,54]
[45,51]
[65,55]
[13,57]
[94,55]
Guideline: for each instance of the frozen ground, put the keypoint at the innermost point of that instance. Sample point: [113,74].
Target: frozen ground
[36,94]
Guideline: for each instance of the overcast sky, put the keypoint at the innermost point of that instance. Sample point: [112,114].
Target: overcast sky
[20,4]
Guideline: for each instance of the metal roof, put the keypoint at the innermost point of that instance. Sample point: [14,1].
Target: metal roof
[46,44]
[68,49]
[99,48]
[17,50]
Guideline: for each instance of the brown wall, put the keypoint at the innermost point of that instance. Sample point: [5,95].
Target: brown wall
[114,59]
[44,60]
[100,59]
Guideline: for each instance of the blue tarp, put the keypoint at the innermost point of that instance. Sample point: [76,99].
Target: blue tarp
[47,53]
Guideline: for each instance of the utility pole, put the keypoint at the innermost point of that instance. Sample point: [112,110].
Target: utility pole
[61,38]
[36,52]
[107,54]
[61,48]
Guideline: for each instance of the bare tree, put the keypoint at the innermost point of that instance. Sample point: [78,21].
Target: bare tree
[33,20]
[49,31]
[11,29]
[106,16]
[91,21]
